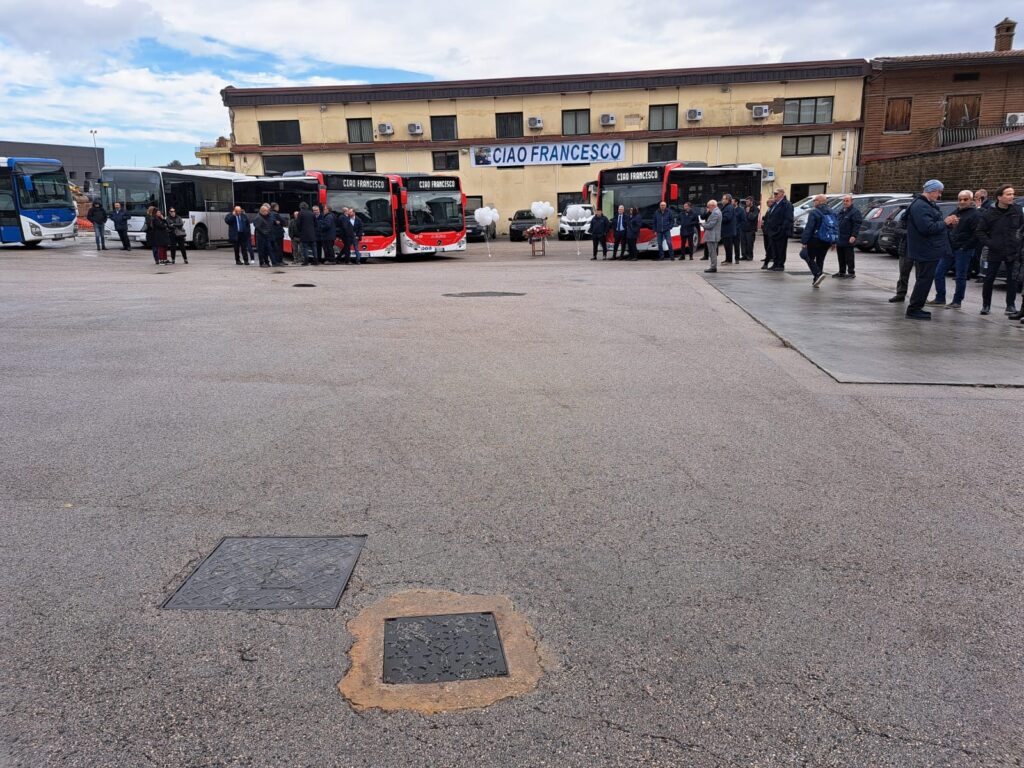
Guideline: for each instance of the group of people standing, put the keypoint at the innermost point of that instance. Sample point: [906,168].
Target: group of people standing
[313,233]
[733,224]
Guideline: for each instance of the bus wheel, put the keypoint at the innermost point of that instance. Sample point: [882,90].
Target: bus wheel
[200,240]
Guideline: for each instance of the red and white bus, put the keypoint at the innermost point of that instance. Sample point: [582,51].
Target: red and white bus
[374,199]
[644,187]
[432,215]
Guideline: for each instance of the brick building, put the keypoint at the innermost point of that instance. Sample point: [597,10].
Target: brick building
[928,106]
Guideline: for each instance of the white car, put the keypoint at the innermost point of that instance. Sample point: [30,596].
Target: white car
[567,229]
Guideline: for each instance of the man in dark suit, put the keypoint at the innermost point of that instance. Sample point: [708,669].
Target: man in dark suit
[307,233]
[689,230]
[351,235]
[240,234]
[599,225]
[619,226]
[782,226]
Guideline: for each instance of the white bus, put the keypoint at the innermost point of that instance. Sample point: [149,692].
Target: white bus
[201,198]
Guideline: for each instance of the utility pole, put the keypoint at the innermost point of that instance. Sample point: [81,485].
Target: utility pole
[96,152]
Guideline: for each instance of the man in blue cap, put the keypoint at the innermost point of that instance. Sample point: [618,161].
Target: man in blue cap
[927,242]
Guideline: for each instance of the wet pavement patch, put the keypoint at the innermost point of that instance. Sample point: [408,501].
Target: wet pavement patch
[481,294]
[437,649]
[430,651]
[270,573]
[303,285]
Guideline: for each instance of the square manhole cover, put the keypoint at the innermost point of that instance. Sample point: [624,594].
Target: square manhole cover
[438,649]
[280,572]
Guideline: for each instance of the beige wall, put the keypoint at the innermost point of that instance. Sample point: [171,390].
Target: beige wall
[510,189]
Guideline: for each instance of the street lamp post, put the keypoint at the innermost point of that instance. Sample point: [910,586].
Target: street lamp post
[96,152]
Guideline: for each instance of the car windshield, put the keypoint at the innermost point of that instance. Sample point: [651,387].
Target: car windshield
[135,190]
[43,186]
[523,215]
[435,212]
[372,208]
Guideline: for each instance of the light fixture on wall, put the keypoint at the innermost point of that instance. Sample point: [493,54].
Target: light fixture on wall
[323,107]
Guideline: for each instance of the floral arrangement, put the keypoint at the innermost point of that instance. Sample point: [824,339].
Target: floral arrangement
[538,232]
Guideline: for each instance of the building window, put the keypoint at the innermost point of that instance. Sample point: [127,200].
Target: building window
[446,161]
[962,77]
[360,130]
[72,175]
[575,122]
[277,133]
[799,111]
[897,114]
[363,161]
[664,117]
[802,146]
[565,199]
[444,128]
[88,174]
[508,125]
[281,163]
[657,151]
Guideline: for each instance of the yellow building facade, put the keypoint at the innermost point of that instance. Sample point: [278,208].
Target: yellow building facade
[800,120]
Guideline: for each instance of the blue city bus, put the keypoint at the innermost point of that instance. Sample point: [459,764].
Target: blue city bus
[35,201]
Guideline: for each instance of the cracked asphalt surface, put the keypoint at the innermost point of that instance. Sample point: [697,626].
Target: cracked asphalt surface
[730,558]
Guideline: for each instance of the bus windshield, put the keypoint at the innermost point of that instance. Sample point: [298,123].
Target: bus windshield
[644,197]
[372,208]
[49,186]
[435,211]
[135,190]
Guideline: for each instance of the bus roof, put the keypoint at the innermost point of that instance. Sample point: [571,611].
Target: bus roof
[10,161]
[226,175]
[276,179]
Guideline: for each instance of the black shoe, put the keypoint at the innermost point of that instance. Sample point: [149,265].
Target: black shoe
[1018,315]
[919,314]
[713,269]
[765,266]
[593,258]
[777,269]
[839,275]
[851,275]
[185,261]
[898,298]
[986,310]
[703,258]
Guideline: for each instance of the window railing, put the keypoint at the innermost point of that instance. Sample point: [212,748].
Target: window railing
[945,137]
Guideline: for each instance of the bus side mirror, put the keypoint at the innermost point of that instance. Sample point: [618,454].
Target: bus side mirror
[673,192]
[405,198]
[463,200]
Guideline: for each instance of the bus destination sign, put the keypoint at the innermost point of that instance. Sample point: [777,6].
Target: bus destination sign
[430,184]
[356,182]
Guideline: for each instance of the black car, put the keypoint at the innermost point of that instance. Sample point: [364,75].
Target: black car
[522,220]
[874,220]
[475,232]
[894,231]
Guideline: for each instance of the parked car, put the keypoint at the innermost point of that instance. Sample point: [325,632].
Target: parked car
[475,232]
[521,221]
[862,203]
[566,228]
[894,231]
[874,220]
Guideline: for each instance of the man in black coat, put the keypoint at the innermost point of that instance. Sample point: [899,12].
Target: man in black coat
[599,226]
[326,233]
[121,217]
[98,217]
[240,234]
[748,228]
[781,228]
[766,229]
[307,233]
[689,231]
[351,234]
[1000,231]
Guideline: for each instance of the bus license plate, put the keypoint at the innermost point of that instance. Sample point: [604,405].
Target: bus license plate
[58,237]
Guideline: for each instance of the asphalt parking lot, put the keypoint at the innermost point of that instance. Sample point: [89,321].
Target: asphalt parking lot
[729,557]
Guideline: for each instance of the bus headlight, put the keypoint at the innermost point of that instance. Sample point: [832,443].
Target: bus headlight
[35,230]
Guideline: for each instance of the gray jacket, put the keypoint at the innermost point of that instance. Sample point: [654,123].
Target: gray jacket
[713,226]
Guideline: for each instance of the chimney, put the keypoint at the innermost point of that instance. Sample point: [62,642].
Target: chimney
[1004,34]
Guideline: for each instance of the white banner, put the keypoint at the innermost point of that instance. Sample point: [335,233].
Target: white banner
[557,153]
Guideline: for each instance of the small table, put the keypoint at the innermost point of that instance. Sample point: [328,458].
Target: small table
[538,250]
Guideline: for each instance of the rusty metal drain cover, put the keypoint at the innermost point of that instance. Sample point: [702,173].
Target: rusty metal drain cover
[442,648]
[270,573]
[481,294]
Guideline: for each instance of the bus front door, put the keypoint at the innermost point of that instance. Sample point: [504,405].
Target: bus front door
[10,221]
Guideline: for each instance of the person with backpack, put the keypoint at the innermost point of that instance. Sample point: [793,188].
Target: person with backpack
[850,220]
[999,230]
[820,235]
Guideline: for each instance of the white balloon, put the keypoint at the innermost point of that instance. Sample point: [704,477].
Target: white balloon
[482,216]
[575,213]
[537,209]
[494,215]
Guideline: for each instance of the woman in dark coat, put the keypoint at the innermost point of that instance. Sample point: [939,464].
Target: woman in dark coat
[633,225]
[159,237]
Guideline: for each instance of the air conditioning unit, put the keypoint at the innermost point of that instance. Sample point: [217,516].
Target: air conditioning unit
[767,174]
[385,129]
[693,115]
[415,129]
[607,119]
[536,123]
[1015,120]
[760,111]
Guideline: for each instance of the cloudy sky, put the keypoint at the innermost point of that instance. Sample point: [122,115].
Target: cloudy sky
[147,76]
